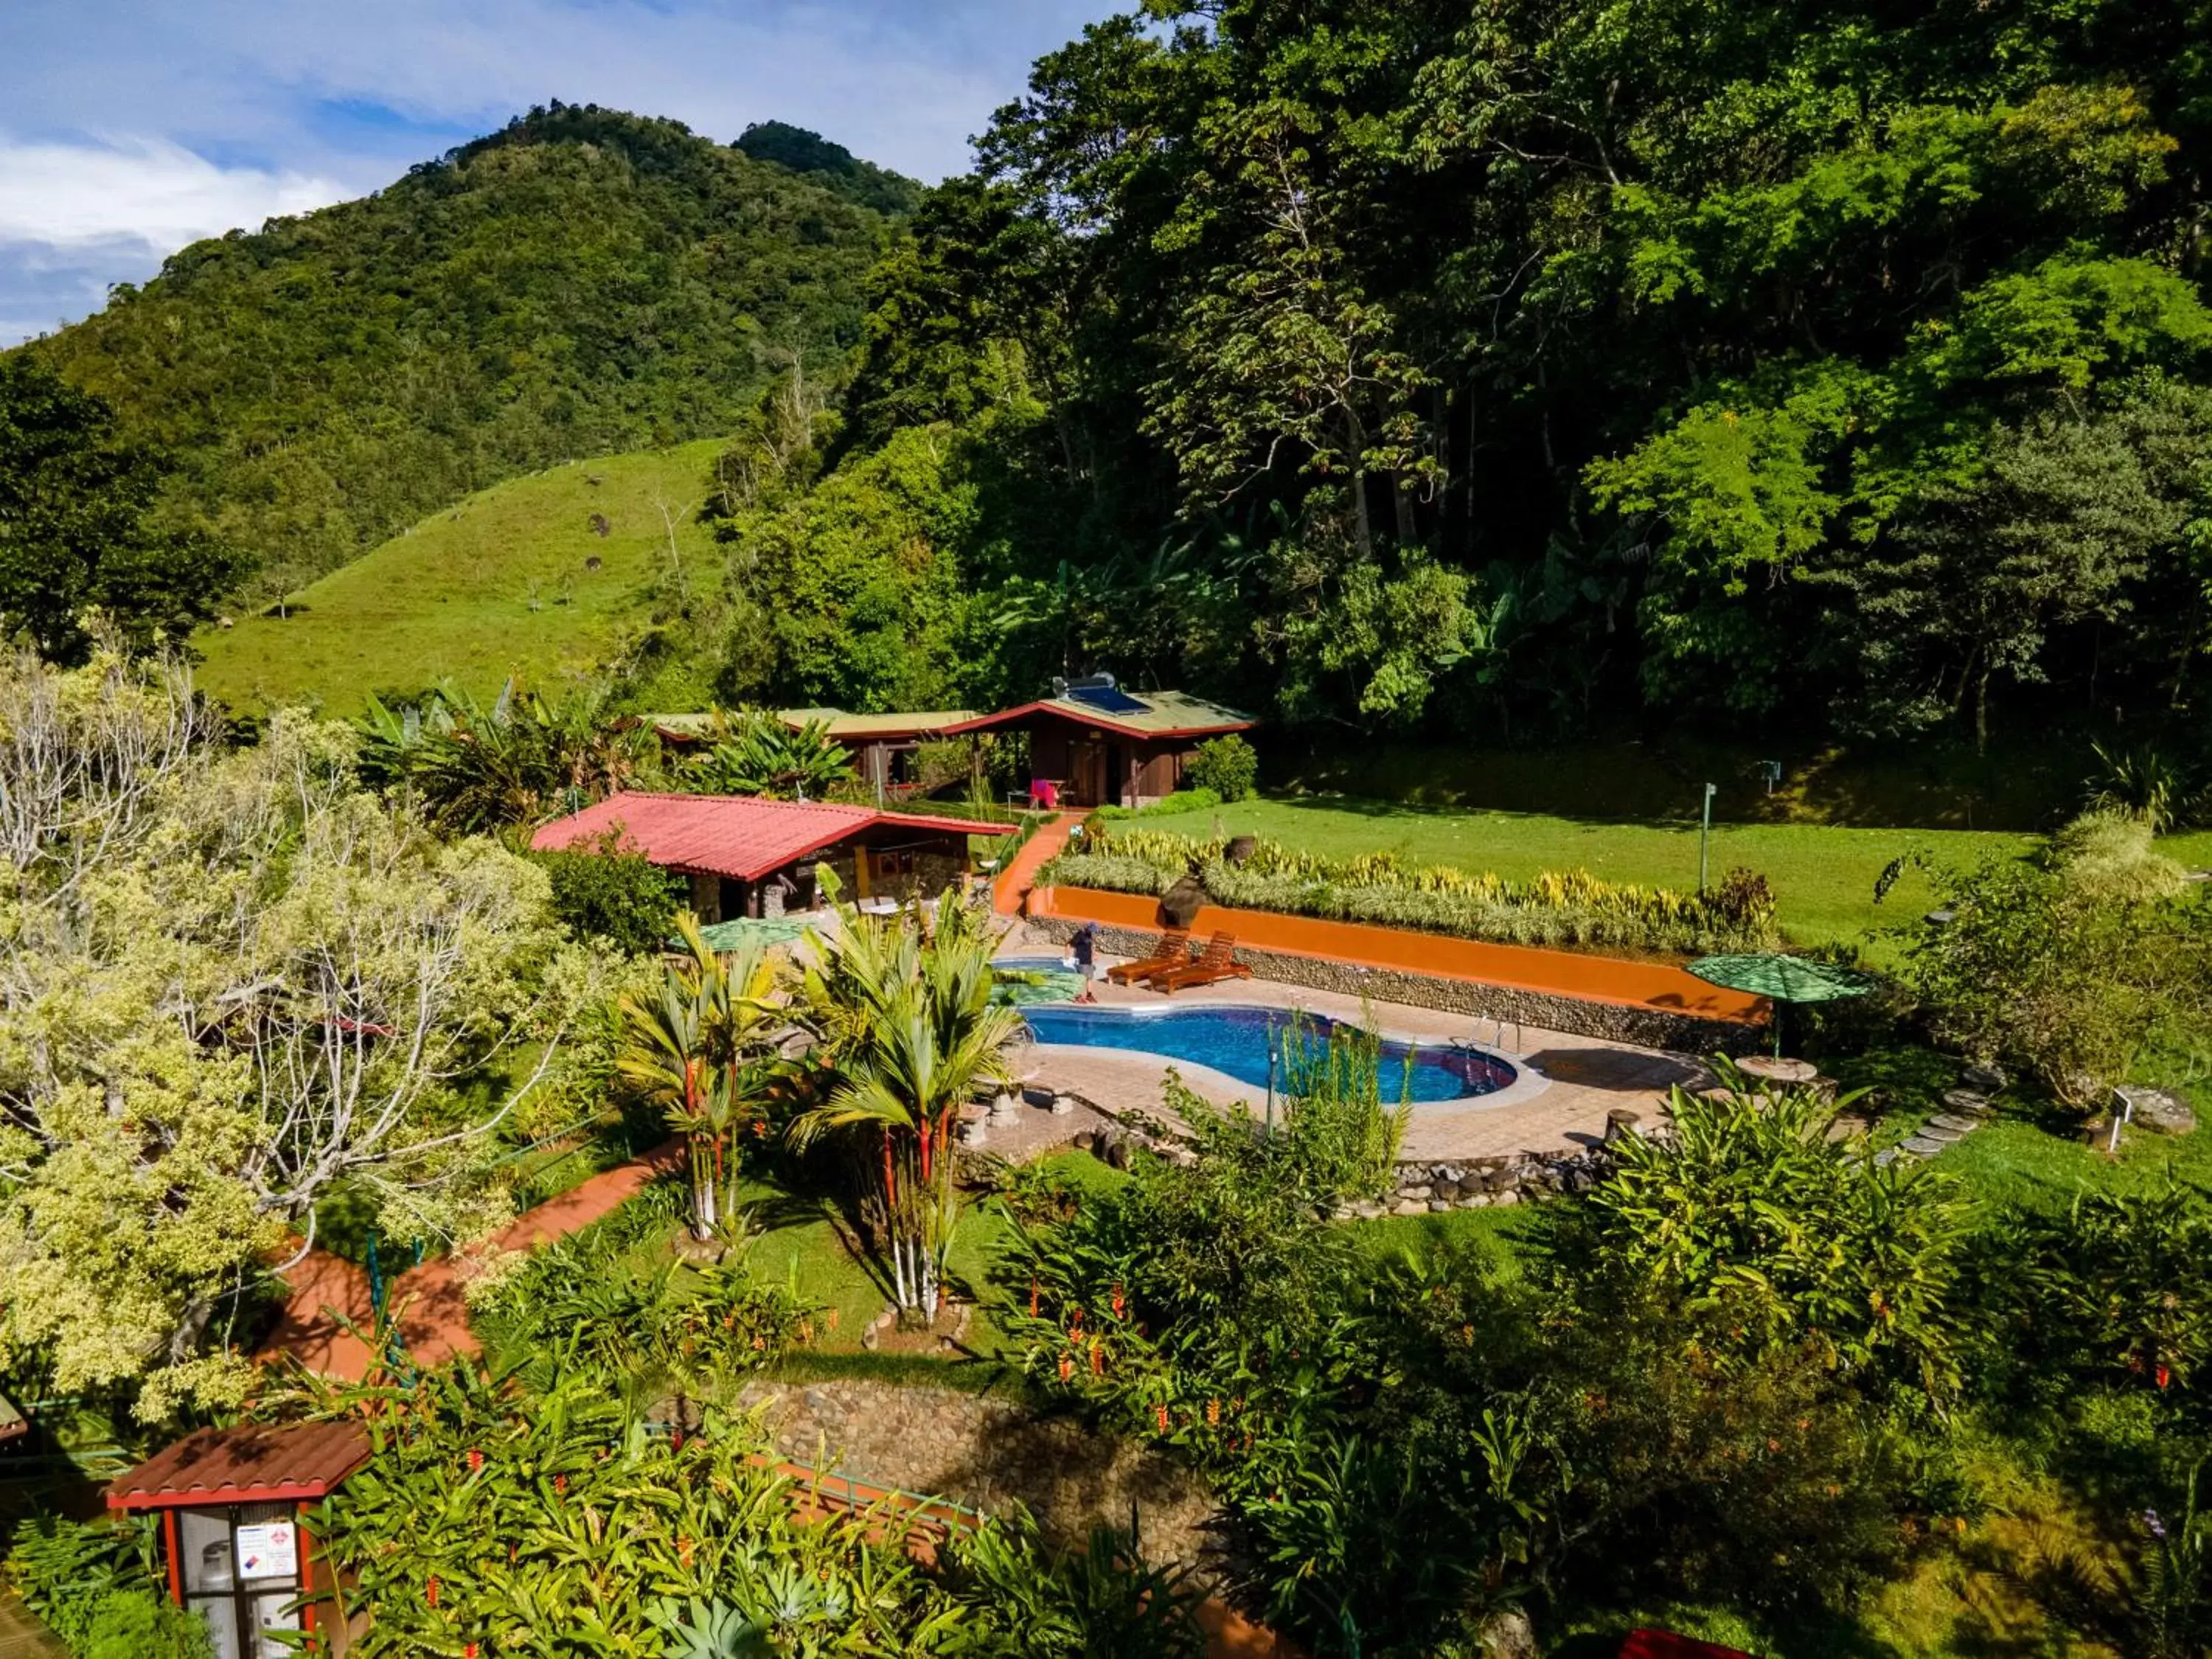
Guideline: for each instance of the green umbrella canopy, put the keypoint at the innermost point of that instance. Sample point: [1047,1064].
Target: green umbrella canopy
[1783,979]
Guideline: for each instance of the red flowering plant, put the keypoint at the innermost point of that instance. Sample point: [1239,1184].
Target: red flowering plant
[585,1534]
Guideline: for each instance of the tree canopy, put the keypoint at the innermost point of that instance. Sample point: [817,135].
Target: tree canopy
[581,282]
[1837,365]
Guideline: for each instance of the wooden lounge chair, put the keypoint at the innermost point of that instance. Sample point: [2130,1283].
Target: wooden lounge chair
[1172,951]
[1219,962]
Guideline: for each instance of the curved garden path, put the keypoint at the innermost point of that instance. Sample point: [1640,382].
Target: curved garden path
[433,1319]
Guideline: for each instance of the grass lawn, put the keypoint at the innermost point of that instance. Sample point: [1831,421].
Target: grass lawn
[498,585]
[799,1244]
[1823,878]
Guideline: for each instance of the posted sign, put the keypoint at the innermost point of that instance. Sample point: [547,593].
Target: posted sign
[270,1551]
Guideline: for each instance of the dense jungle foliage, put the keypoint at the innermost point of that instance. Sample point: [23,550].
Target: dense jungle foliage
[579,282]
[1833,366]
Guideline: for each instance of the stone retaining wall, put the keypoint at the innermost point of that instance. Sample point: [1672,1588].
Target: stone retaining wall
[1614,1022]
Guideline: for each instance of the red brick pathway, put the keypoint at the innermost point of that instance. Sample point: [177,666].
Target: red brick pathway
[1012,887]
[433,1318]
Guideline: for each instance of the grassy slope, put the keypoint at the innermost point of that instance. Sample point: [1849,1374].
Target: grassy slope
[1823,878]
[493,586]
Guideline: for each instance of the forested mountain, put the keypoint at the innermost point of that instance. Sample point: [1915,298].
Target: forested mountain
[1839,366]
[582,282]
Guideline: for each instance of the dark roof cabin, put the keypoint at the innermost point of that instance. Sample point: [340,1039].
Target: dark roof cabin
[1100,745]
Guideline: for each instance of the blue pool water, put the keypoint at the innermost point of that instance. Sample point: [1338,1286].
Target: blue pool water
[1237,1040]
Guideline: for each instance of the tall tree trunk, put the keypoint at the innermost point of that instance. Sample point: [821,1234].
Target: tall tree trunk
[1363,527]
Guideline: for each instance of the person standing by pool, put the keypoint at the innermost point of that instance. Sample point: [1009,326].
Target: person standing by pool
[1085,947]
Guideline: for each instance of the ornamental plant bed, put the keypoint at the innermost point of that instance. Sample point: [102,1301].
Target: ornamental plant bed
[1562,910]
[886,1334]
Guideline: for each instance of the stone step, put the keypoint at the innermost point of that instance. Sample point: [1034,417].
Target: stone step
[1956,1120]
[1922,1146]
[1971,1101]
[1932,1131]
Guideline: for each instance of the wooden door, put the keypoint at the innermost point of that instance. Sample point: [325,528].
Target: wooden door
[1088,763]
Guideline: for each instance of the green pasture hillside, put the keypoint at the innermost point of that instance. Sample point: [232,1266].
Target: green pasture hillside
[583,282]
[503,584]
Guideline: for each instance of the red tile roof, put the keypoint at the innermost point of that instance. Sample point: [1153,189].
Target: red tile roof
[250,1464]
[1665,1644]
[735,836]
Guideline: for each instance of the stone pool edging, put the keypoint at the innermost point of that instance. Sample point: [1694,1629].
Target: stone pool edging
[1419,1186]
[1642,1026]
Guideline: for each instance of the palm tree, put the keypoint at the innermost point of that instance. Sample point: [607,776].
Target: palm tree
[704,1047]
[903,1008]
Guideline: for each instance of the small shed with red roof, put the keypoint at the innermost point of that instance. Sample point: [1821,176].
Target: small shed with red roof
[1099,746]
[232,1540]
[749,857]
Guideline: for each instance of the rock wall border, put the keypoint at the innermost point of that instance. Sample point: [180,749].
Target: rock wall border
[1643,1026]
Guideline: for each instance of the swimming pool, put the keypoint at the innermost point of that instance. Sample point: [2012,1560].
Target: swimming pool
[1238,1039]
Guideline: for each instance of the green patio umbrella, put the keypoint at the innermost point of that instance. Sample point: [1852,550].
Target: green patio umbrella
[1782,978]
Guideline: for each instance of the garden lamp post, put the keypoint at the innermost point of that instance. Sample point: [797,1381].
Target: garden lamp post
[1705,834]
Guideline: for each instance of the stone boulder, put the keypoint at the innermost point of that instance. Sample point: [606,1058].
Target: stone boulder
[2159,1111]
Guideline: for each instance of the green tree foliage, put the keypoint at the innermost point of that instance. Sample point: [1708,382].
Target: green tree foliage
[500,1518]
[523,759]
[76,530]
[797,150]
[99,1587]
[608,890]
[581,283]
[1229,766]
[233,982]
[1842,369]
[1707,1386]
[756,754]
[2065,968]
[1748,1213]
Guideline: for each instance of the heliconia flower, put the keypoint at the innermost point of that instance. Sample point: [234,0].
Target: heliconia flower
[1067,1368]
[1161,1412]
[468,1650]
[430,1593]
[1213,1413]
[2165,1377]
[475,1460]
[1098,1360]
[1121,1302]
[561,1484]
[1033,1295]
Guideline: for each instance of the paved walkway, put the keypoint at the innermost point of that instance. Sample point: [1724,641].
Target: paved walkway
[433,1316]
[1569,1084]
[1012,887]
[22,1637]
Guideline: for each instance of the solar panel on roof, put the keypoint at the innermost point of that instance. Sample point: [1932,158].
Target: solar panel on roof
[1106,698]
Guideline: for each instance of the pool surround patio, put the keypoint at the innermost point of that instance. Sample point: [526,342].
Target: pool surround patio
[1561,1104]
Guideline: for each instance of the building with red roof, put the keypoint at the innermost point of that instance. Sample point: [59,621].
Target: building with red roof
[1098,745]
[749,857]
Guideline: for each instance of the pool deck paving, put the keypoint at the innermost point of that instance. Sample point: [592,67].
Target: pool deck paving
[1569,1086]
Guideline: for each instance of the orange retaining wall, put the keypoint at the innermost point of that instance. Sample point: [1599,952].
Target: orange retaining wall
[1551,972]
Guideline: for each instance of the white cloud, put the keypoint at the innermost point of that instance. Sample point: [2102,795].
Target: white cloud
[146,191]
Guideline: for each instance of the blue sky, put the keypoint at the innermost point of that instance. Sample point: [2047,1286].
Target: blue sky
[127,129]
